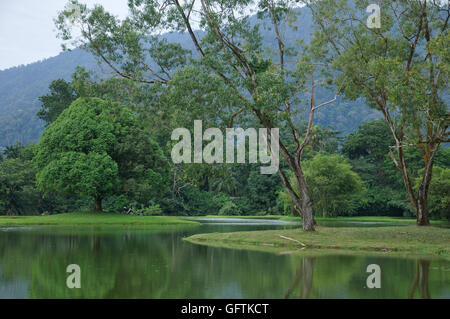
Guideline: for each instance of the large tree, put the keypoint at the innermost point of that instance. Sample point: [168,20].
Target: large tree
[263,84]
[400,69]
[95,148]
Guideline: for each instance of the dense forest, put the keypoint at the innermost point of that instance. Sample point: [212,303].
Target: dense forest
[107,141]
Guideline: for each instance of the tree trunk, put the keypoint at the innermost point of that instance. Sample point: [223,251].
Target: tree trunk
[422,209]
[98,204]
[420,200]
[306,202]
[308,220]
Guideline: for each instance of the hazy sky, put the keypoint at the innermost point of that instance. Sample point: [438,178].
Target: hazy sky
[27,31]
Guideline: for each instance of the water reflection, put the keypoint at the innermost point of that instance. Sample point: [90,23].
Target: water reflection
[304,277]
[421,280]
[128,262]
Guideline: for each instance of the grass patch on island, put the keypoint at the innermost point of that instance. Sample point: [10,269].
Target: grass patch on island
[380,219]
[394,240]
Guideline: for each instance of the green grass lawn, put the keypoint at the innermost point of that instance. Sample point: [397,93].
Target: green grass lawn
[90,218]
[384,219]
[395,240]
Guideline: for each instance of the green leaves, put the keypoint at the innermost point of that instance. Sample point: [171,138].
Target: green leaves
[17,178]
[90,174]
[333,186]
[96,148]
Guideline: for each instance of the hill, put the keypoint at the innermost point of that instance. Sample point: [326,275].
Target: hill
[21,86]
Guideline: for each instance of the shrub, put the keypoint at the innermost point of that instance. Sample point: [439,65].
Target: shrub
[153,210]
[229,209]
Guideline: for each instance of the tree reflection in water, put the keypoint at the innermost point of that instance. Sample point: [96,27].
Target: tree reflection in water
[421,280]
[304,275]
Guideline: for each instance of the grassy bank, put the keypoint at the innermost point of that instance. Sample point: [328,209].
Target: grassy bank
[375,219]
[395,240]
[90,218]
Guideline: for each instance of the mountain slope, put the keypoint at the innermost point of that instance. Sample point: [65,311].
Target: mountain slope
[21,86]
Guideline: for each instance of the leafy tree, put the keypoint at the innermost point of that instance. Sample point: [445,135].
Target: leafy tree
[61,95]
[17,192]
[229,60]
[95,148]
[367,149]
[83,84]
[13,151]
[262,191]
[400,69]
[334,186]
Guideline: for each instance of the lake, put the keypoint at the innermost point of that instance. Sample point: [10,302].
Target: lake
[134,262]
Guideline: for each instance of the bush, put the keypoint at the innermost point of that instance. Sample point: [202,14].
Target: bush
[334,188]
[153,210]
[230,209]
[439,193]
[115,203]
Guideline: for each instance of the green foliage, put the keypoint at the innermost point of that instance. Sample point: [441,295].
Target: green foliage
[197,203]
[229,209]
[262,192]
[100,149]
[153,210]
[91,174]
[333,186]
[439,196]
[400,69]
[89,150]
[17,192]
[61,95]
[367,149]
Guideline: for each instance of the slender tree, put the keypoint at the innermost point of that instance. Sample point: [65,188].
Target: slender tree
[400,69]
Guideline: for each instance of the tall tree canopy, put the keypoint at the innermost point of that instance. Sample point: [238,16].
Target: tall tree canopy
[95,148]
[266,87]
[401,69]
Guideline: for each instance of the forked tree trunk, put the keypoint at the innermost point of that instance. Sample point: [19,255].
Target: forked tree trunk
[302,202]
[98,204]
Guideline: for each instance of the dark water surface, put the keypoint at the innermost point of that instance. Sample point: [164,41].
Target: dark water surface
[130,262]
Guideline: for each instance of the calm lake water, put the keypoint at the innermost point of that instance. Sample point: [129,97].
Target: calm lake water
[128,262]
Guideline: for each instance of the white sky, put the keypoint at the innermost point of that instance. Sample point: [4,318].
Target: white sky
[27,30]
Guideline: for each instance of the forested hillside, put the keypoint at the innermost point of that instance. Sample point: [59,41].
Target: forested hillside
[20,88]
